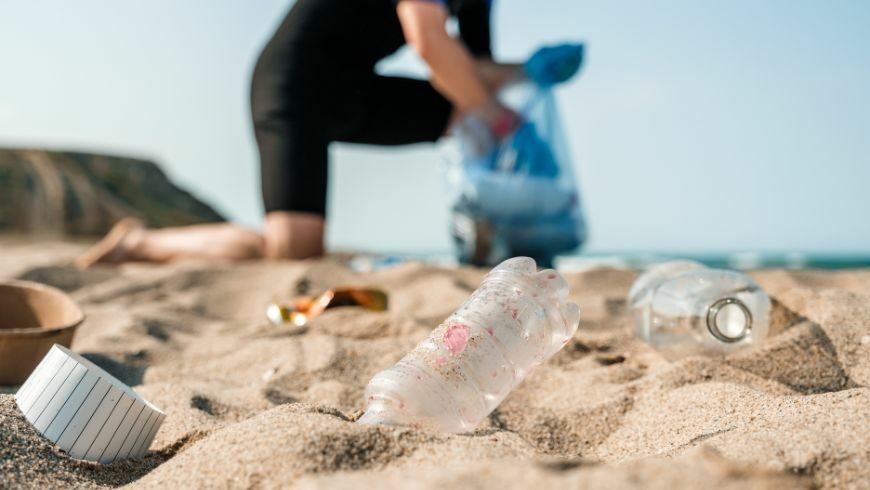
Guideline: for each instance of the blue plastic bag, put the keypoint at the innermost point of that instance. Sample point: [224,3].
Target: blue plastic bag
[517,196]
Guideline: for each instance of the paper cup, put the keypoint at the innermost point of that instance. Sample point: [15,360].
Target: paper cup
[86,411]
[33,317]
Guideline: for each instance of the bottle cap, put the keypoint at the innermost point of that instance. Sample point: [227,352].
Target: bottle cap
[86,411]
[729,320]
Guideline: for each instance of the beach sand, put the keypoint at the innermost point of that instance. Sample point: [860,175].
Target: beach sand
[253,405]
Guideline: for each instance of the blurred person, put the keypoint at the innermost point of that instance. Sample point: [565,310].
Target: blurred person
[314,83]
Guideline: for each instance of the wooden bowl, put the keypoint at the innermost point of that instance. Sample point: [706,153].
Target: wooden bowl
[33,317]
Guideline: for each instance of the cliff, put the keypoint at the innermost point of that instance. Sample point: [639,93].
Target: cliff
[69,193]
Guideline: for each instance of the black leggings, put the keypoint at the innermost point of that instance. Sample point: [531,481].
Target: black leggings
[304,96]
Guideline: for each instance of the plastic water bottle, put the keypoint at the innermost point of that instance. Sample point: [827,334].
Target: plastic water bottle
[683,308]
[517,319]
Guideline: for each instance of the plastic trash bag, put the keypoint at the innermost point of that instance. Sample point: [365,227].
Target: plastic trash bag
[518,196]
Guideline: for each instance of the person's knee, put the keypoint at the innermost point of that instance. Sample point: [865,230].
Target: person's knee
[265,94]
[272,81]
[293,235]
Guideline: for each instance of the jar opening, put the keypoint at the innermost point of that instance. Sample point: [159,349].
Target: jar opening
[729,320]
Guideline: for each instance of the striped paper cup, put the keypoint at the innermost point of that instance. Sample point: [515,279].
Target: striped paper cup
[86,411]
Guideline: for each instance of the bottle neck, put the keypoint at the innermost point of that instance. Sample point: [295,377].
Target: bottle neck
[729,320]
[379,413]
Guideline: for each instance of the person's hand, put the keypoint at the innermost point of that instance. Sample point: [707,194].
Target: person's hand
[554,64]
[503,142]
[482,130]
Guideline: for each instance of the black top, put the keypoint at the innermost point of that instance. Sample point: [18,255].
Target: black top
[474,25]
[362,32]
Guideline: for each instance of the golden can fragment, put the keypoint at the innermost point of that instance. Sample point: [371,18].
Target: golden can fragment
[280,314]
[299,311]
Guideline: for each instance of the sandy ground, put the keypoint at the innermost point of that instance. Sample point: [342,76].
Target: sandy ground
[252,405]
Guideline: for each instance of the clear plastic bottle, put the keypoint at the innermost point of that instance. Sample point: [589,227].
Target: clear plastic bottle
[682,308]
[517,319]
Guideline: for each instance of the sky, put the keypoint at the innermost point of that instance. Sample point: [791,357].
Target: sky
[698,127]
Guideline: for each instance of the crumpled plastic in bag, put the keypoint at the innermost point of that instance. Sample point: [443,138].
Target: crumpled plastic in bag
[517,196]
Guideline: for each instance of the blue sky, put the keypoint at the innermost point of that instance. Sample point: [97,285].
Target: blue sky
[695,126]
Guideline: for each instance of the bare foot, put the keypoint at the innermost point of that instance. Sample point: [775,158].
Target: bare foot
[115,247]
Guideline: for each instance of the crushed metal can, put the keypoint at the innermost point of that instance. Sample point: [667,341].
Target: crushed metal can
[301,310]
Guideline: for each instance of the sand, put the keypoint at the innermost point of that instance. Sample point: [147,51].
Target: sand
[252,405]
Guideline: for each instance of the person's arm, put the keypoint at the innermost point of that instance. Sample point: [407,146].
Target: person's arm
[475,30]
[453,69]
[497,75]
